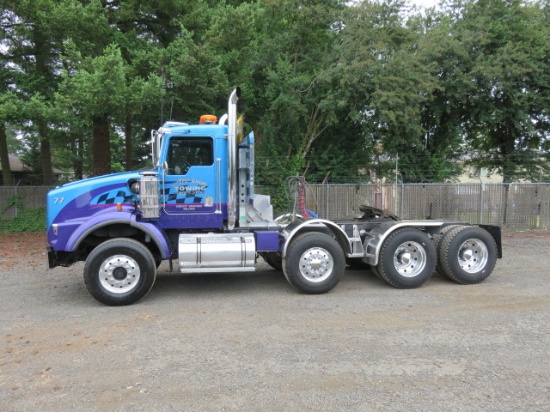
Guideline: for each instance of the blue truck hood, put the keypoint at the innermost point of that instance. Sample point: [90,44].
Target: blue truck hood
[96,191]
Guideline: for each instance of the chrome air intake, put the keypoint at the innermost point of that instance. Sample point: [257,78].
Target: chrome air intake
[149,195]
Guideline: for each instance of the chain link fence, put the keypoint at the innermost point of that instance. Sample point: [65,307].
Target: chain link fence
[515,206]
[14,199]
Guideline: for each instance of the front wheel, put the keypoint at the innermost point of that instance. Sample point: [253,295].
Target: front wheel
[120,272]
[274,260]
[314,263]
[407,259]
[468,254]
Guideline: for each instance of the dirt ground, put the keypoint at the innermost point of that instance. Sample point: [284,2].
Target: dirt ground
[250,342]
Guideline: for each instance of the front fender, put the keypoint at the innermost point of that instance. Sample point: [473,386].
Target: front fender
[85,229]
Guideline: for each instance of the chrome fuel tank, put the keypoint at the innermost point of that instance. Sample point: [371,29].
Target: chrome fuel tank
[216,252]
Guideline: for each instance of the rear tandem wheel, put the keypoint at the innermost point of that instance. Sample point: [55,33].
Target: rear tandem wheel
[314,263]
[438,242]
[467,254]
[407,258]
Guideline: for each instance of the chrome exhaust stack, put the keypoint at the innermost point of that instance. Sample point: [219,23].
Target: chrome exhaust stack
[232,154]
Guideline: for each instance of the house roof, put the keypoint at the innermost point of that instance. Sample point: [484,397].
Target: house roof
[16,165]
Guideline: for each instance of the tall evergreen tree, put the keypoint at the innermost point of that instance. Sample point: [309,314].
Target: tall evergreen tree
[502,65]
[31,45]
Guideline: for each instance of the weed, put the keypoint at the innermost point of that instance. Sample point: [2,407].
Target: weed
[31,220]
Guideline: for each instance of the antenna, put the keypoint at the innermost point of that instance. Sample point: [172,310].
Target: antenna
[162,96]
[161,109]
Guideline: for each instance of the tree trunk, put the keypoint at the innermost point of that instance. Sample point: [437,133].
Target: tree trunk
[101,146]
[45,152]
[314,129]
[42,53]
[47,170]
[128,141]
[78,168]
[4,158]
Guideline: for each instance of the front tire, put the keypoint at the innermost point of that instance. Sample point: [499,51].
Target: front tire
[274,260]
[314,263]
[468,254]
[407,259]
[120,272]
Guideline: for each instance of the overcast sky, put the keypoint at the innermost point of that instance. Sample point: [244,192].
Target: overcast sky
[425,3]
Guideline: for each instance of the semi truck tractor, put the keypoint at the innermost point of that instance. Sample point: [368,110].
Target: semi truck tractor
[197,209]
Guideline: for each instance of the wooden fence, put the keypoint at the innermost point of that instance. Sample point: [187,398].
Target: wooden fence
[514,206]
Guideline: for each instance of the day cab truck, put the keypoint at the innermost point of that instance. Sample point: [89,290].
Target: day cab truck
[197,208]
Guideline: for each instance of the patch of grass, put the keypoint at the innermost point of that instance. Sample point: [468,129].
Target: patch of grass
[32,220]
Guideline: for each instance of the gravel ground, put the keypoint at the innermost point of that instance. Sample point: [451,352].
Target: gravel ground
[250,342]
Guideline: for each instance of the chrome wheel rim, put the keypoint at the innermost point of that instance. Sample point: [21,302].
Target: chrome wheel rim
[409,259]
[316,264]
[473,255]
[119,274]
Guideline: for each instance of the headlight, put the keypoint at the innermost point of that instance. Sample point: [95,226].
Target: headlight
[134,188]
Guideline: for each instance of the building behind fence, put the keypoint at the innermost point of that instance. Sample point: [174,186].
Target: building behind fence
[514,206]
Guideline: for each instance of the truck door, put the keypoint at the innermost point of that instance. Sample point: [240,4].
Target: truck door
[189,185]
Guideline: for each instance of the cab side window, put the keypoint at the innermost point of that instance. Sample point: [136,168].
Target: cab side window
[187,152]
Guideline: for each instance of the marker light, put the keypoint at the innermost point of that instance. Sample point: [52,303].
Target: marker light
[208,119]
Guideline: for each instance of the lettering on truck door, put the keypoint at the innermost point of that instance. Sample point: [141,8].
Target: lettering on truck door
[189,185]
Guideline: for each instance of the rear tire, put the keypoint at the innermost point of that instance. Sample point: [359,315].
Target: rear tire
[438,242]
[314,263]
[374,270]
[120,272]
[468,254]
[407,259]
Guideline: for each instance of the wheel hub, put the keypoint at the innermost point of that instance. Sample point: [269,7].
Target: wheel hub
[473,255]
[405,258]
[409,259]
[466,254]
[316,264]
[119,274]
